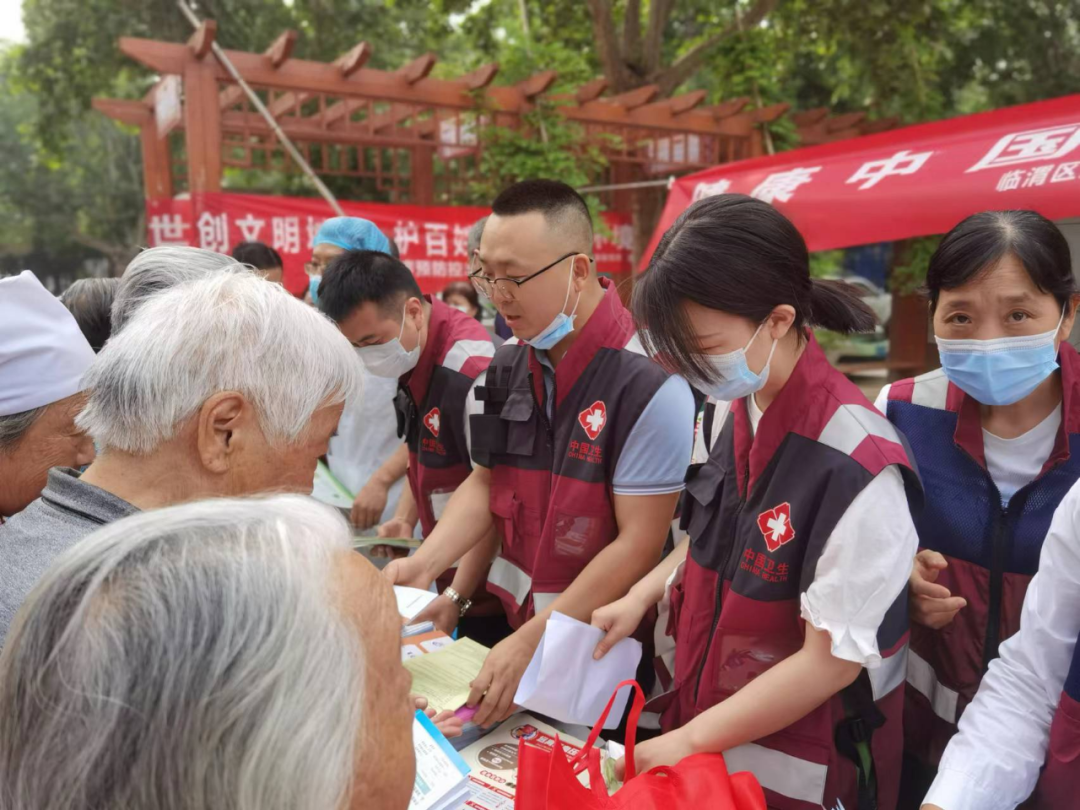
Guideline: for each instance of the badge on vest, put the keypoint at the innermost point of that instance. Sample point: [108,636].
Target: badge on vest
[593,419]
[431,421]
[775,525]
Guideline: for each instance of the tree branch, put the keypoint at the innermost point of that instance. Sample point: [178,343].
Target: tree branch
[678,72]
[607,43]
[659,13]
[631,47]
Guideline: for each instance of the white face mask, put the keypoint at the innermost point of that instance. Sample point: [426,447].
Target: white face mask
[390,359]
[460,308]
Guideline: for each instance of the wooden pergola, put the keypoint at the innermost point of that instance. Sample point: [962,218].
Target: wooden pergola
[412,135]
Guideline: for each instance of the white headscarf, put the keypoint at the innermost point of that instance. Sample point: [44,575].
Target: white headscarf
[43,355]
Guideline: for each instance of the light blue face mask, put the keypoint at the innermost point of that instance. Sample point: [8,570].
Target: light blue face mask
[561,326]
[313,288]
[1000,371]
[736,379]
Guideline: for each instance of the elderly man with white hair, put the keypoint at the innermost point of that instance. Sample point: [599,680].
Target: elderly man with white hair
[222,654]
[221,387]
[43,357]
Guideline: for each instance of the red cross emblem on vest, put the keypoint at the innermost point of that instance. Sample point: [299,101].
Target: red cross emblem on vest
[776,526]
[593,419]
[431,422]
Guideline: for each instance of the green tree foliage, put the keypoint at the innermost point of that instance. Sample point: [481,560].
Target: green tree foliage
[917,59]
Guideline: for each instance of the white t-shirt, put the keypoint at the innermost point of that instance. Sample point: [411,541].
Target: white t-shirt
[1012,463]
[865,564]
[366,437]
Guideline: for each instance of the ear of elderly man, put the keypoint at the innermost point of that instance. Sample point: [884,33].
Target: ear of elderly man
[214,383]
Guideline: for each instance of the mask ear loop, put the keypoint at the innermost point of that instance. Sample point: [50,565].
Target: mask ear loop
[569,284]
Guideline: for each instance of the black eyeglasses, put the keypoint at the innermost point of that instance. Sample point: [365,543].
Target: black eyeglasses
[508,287]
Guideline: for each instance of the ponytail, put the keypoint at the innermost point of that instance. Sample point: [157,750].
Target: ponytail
[835,305]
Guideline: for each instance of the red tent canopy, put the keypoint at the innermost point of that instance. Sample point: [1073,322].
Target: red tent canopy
[913,181]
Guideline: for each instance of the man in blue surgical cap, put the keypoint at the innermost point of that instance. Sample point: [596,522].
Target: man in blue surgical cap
[366,454]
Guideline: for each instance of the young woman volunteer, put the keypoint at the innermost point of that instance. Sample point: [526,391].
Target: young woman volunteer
[992,433]
[788,599]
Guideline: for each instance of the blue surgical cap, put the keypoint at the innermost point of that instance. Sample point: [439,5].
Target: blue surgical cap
[352,233]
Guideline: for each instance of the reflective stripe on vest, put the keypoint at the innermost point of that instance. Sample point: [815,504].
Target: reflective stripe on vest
[931,390]
[849,426]
[504,574]
[890,673]
[463,350]
[922,678]
[781,773]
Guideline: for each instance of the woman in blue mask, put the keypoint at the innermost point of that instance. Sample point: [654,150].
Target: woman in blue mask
[992,432]
[787,601]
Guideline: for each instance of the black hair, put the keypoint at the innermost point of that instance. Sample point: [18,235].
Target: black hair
[739,255]
[394,250]
[259,255]
[552,198]
[90,302]
[978,243]
[468,292]
[358,276]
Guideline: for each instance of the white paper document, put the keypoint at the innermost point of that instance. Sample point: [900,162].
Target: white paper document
[410,601]
[564,682]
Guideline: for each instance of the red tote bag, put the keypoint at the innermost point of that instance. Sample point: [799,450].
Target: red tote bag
[547,780]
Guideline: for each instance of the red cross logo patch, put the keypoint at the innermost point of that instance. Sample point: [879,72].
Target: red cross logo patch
[593,419]
[431,422]
[776,526]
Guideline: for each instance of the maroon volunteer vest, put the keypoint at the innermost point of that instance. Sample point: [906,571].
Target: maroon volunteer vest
[551,479]
[759,514]
[431,407]
[1059,784]
[992,549]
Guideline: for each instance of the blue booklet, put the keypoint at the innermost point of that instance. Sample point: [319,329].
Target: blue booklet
[442,777]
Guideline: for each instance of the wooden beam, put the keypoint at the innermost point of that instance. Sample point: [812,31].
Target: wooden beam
[590,91]
[418,68]
[633,98]
[880,125]
[202,126]
[157,162]
[726,109]
[203,38]
[281,49]
[351,61]
[481,77]
[765,115]
[133,113]
[686,101]
[809,117]
[536,84]
[277,54]
[844,121]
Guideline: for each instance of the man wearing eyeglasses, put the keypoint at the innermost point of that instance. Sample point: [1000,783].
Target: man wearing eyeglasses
[580,450]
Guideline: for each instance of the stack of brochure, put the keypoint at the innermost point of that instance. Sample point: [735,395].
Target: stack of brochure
[442,777]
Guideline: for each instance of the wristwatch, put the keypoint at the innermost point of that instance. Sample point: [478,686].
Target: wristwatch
[455,597]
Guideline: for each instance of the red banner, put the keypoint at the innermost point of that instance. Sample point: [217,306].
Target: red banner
[432,239]
[913,181]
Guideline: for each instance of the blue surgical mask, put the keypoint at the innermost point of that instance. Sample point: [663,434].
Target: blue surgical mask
[1000,371]
[313,288]
[390,359]
[736,379]
[561,326]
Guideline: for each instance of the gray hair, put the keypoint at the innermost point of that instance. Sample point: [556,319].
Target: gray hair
[192,657]
[159,268]
[14,426]
[227,332]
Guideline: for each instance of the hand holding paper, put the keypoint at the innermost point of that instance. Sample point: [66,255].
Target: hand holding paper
[565,682]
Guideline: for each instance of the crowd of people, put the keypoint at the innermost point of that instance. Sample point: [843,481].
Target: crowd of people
[866,605]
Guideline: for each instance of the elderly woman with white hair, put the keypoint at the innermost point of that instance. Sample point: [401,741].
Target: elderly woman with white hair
[220,387]
[43,357]
[223,654]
